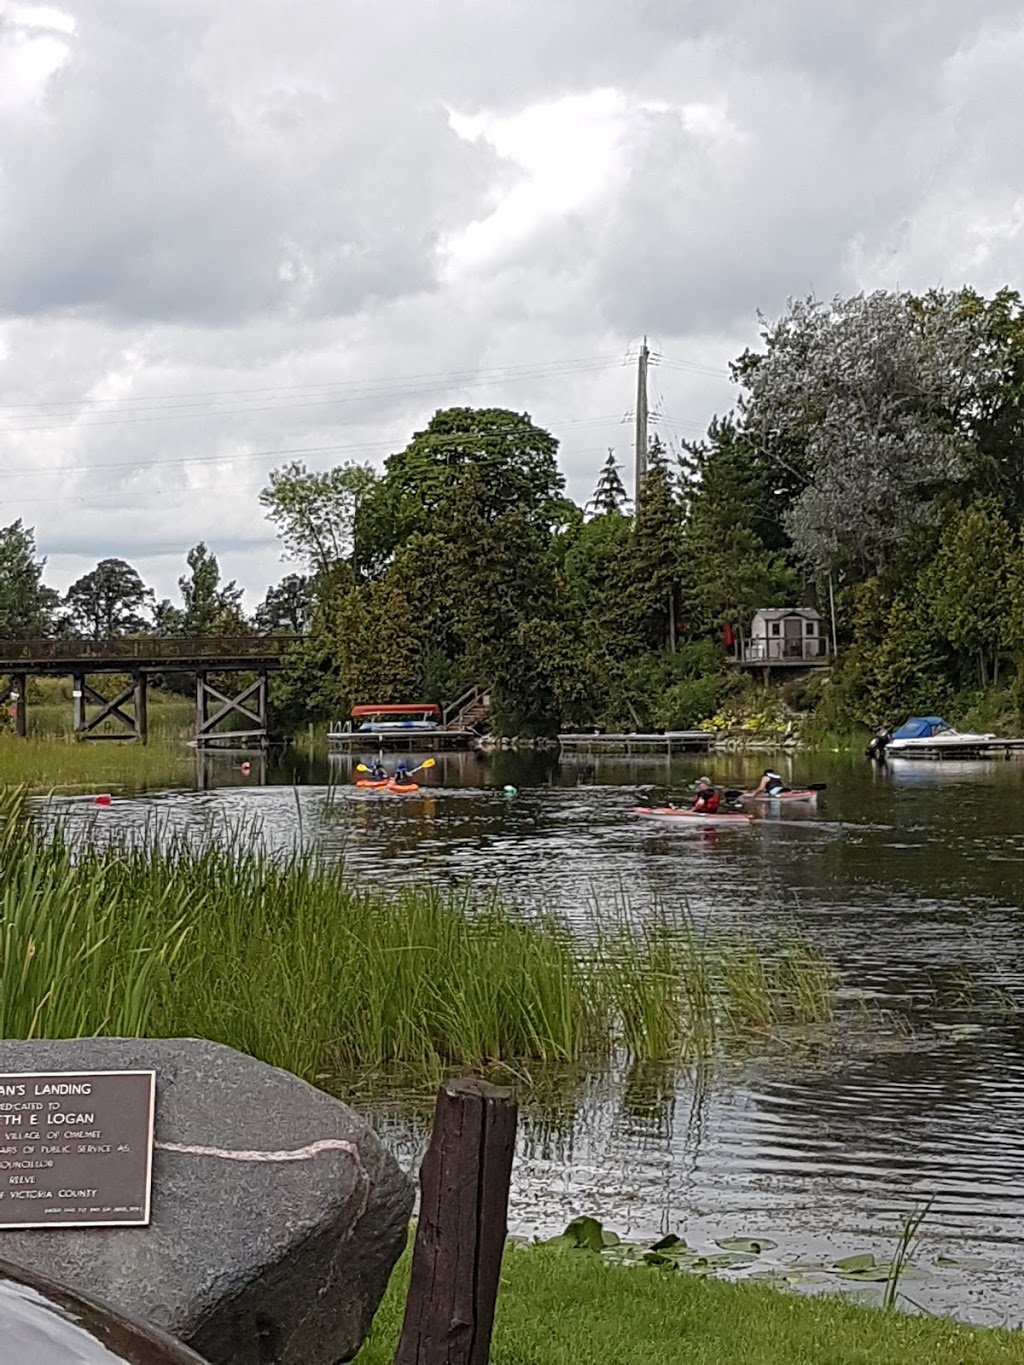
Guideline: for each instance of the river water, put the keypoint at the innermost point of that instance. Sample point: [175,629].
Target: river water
[909,879]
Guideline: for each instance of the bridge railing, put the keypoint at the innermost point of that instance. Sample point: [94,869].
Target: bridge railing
[150,647]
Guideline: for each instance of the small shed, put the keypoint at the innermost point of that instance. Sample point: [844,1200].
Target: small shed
[786,636]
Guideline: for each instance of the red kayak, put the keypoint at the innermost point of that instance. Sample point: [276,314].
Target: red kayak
[696,817]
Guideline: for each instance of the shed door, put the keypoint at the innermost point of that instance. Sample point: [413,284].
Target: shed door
[793,628]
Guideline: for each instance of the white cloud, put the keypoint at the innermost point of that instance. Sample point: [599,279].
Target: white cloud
[232,230]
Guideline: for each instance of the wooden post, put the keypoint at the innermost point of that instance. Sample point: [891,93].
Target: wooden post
[141,714]
[263,696]
[78,702]
[460,1237]
[19,695]
[200,709]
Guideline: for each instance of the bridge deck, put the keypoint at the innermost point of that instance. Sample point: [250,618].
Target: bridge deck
[145,654]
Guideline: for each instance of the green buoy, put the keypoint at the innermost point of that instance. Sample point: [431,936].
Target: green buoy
[510,791]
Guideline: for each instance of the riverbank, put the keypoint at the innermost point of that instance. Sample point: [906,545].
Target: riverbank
[59,763]
[569,1309]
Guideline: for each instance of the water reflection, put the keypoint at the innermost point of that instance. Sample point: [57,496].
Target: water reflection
[908,878]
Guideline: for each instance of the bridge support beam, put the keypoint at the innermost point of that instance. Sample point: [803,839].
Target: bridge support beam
[19,703]
[214,706]
[128,709]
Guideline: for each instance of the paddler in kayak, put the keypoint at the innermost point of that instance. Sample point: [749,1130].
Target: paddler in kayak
[707,800]
[401,772]
[378,772]
[771,784]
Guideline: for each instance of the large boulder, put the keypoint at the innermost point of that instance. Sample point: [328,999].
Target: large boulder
[277,1215]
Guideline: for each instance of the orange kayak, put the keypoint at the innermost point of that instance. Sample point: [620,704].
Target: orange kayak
[373,783]
[403,788]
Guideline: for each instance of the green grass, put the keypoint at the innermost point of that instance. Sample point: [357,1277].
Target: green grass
[289,960]
[571,1310]
[64,764]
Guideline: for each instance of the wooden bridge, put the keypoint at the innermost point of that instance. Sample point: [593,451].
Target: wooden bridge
[142,658]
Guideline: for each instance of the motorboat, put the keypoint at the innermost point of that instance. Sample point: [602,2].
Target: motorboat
[931,737]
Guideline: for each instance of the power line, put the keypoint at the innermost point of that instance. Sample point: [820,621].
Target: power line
[130,466]
[358,389]
[160,493]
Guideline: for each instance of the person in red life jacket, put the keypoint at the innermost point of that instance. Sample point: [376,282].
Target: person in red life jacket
[707,799]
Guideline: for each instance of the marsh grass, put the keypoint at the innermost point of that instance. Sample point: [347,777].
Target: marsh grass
[292,961]
[60,763]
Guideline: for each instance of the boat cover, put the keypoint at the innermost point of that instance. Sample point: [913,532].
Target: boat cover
[922,727]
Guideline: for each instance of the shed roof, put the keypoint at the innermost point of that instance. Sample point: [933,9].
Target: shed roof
[776,613]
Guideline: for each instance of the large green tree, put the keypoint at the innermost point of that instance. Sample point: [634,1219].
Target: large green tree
[315,512]
[969,586]
[107,601]
[876,392]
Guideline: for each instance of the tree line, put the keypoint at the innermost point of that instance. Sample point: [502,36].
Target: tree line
[873,458]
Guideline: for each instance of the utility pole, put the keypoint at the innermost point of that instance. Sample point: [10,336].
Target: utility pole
[641,422]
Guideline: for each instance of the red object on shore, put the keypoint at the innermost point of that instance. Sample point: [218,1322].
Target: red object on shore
[103,800]
[245,769]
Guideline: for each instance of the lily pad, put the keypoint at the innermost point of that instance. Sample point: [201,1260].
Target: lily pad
[582,1234]
[863,1261]
[963,1263]
[753,1246]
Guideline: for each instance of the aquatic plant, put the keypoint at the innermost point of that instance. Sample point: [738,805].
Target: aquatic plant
[300,964]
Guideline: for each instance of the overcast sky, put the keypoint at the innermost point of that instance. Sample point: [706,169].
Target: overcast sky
[232,234]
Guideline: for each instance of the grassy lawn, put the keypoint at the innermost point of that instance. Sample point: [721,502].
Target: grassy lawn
[558,1309]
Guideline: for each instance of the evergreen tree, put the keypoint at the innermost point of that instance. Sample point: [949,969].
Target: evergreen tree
[26,604]
[610,494]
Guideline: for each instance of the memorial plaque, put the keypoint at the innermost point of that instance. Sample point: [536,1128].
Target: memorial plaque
[76,1148]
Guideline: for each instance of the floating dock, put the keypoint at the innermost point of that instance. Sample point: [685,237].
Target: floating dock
[983,748]
[400,741]
[671,742]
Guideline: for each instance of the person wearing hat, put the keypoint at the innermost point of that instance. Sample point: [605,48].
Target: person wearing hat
[707,799]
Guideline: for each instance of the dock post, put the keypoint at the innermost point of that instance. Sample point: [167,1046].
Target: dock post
[200,710]
[78,702]
[141,714]
[19,695]
[460,1237]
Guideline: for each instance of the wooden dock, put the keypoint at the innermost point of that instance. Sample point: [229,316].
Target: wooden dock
[398,741]
[941,753]
[671,742]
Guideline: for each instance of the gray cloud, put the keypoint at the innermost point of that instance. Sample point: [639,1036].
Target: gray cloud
[231,230]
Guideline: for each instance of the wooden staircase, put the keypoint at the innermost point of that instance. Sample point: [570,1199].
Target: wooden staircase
[468,712]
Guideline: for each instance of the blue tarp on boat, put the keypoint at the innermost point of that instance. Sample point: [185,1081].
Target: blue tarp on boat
[921,727]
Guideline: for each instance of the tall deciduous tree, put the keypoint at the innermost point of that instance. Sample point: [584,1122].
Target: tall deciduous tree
[315,513]
[286,607]
[27,605]
[876,392]
[209,607]
[108,601]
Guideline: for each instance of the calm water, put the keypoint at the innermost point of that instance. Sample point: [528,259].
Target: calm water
[911,882]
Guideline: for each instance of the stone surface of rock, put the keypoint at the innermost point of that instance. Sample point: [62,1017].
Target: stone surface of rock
[276,1213]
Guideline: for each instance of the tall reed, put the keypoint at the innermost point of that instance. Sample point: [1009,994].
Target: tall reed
[290,960]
